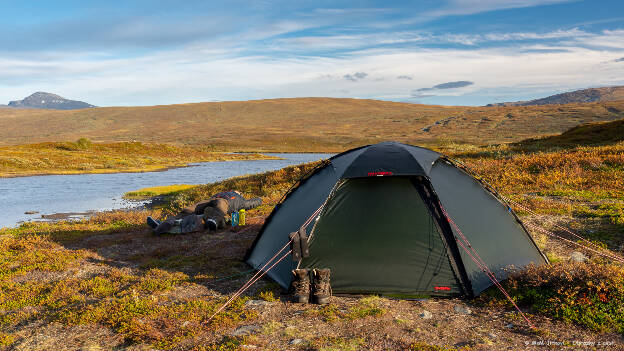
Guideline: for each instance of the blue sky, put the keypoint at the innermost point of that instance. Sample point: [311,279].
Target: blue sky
[454,52]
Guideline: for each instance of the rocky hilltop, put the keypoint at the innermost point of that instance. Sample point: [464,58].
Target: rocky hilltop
[49,101]
[584,95]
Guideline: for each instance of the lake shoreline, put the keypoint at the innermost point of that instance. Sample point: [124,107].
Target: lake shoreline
[133,170]
[33,198]
[138,170]
[86,157]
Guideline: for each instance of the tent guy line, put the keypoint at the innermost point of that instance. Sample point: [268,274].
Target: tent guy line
[597,249]
[479,261]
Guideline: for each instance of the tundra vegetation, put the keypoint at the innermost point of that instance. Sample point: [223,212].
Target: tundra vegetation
[84,156]
[164,190]
[106,281]
[175,135]
[292,125]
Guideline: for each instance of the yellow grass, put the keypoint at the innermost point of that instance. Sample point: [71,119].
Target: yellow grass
[83,156]
[157,191]
[601,133]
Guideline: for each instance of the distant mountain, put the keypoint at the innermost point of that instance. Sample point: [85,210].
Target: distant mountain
[585,95]
[49,101]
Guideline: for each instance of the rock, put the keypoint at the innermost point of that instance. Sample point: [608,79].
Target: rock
[253,303]
[462,309]
[250,346]
[31,212]
[296,341]
[578,257]
[492,335]
[185,324]
[426,315]
[245,330]
[509,326]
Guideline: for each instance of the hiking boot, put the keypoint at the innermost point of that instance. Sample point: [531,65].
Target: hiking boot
[214,218]
[301,285]
[153,223]
[321,290]
[211,224]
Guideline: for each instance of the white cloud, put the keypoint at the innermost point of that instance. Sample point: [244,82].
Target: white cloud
[358,41]
[608,39]
[207,72]
[469,7]
[558,34]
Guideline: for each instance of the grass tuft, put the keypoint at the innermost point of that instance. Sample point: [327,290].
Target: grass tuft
[165,190]
[367,306]
[84,156]
[6,340]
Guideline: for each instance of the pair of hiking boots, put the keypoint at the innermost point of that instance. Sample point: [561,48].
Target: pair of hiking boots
[316,287]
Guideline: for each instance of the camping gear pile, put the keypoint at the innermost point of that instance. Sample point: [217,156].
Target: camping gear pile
[209,214]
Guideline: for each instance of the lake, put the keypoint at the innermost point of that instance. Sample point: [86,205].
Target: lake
[82,193]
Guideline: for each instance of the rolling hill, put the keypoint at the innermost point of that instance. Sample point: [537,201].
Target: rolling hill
[589,134]
[300,124]
[585,95]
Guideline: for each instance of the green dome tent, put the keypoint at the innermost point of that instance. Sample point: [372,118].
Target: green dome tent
[392,215]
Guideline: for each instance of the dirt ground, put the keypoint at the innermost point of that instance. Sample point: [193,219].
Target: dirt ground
[347,323]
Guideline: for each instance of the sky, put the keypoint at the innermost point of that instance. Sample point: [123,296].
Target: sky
[450,52]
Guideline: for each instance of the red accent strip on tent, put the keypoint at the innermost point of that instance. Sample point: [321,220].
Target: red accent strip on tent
[379,174]
[481,264]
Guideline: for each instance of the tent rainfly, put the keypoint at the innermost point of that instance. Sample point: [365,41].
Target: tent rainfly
[392,215]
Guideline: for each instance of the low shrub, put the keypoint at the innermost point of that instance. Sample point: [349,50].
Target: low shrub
[590,295]
[6,339]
